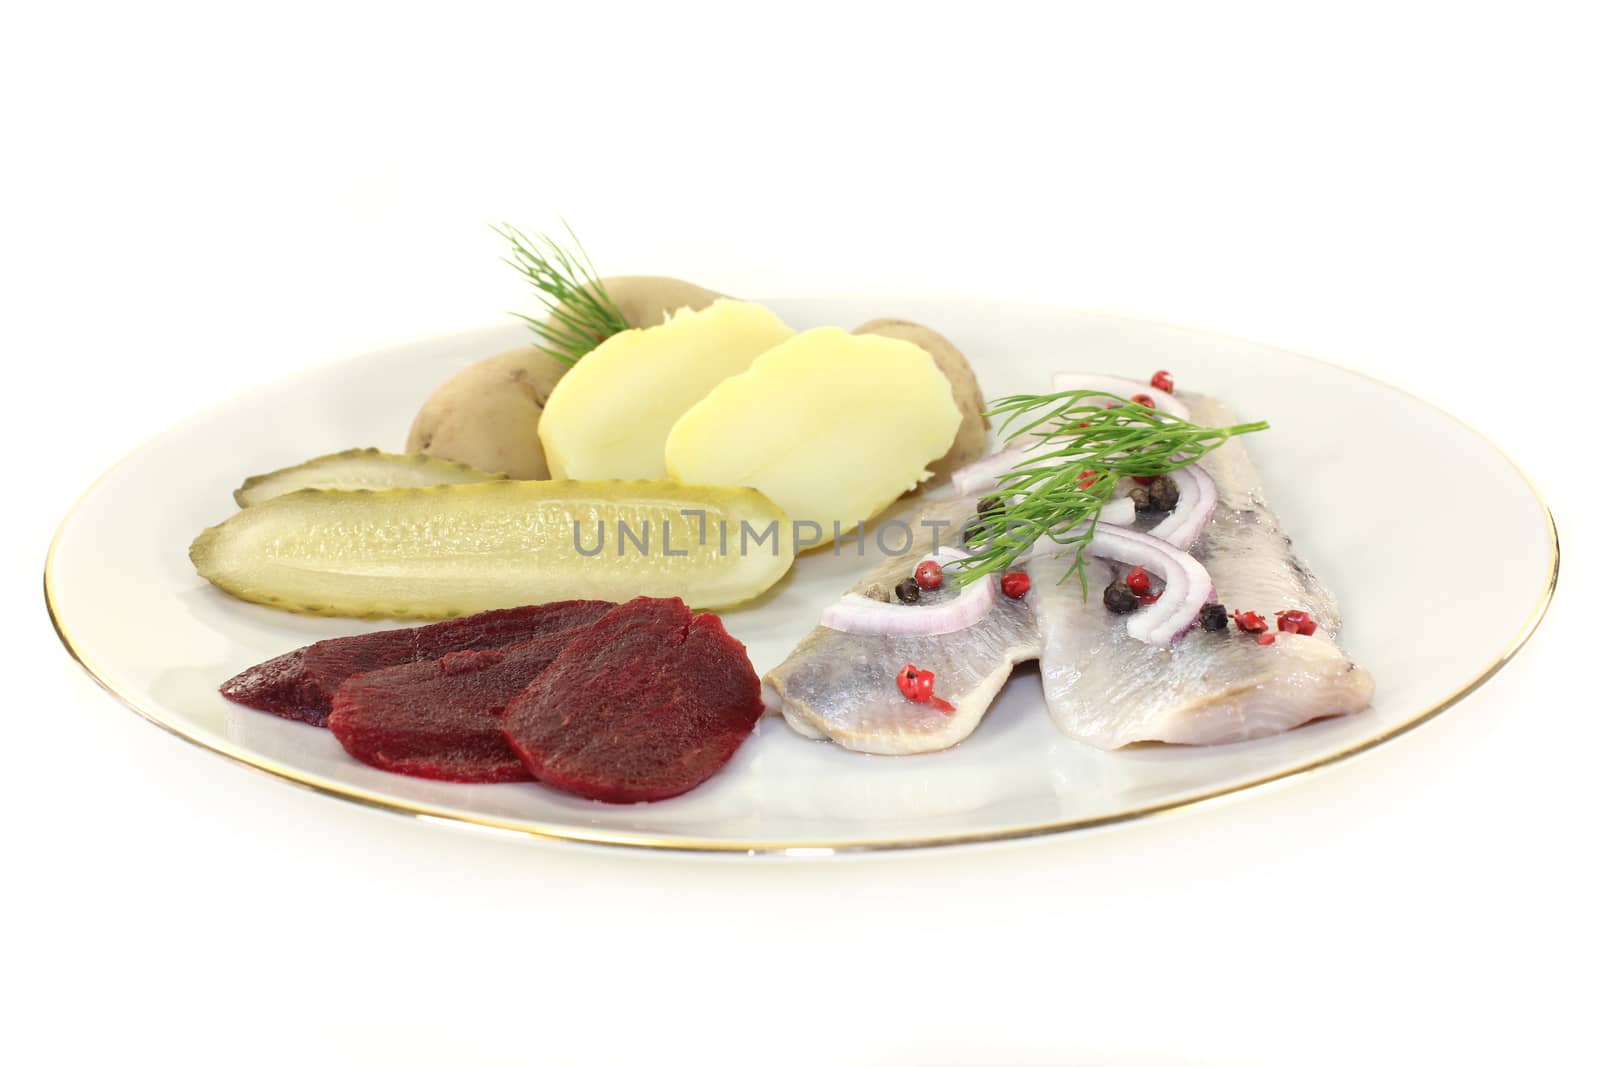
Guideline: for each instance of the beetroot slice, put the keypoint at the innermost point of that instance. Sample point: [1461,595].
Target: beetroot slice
[441,719]
[301,684]
[645,704]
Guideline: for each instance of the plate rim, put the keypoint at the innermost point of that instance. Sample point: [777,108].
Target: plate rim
[655,842]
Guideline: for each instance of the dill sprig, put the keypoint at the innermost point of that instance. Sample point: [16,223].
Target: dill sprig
[579,313]
[1082,447]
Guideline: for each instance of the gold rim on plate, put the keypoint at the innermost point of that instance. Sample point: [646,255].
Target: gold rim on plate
[668,843]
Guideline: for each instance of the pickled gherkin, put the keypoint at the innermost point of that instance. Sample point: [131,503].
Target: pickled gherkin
[359,468]
[443,551]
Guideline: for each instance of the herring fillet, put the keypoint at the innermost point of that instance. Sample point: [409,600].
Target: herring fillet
[1106,689]
[1101,687]
[842,686]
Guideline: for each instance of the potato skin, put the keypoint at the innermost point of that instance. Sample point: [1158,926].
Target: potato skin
[972,439]
[487,415]
[646,299]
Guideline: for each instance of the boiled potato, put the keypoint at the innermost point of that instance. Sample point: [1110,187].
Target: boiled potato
[972,440]
[647,300]
[833,427]
[487,415]
[610,415]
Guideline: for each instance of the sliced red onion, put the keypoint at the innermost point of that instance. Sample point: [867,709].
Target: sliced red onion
[1188,586]
[981,475]
[1118,512]
[1124,387]
[857,614]
[1197,499]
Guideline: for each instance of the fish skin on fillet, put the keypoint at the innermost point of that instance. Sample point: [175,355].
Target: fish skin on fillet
[842,687]
[1101,687]
[1108,690]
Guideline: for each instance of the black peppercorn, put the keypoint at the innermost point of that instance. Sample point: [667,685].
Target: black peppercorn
[1214,618]
[908,591]
[1159,495]
[971,531]
[989,505]
[1119,599]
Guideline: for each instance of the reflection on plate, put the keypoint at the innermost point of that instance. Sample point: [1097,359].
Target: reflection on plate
[129,607]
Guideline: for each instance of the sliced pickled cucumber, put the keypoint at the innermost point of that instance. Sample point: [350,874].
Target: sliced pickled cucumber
[359,468]
[453,550]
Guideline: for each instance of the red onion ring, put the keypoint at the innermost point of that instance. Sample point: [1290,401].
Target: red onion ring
[1123,387]
[1188,586]
[857,614]
[1197,499]
[981,475]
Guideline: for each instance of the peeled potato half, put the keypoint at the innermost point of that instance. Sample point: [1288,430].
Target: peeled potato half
[487,415]
[972,440]
[832,427]
[610,415]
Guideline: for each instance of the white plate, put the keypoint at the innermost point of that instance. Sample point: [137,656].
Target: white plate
[1443,567]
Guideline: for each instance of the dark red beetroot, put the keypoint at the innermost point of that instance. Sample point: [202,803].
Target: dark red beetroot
[301,684]
[441,719]
[645,704]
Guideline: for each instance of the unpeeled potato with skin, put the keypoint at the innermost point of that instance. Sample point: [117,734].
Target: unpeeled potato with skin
[972,439]
[487,415]
[647,299]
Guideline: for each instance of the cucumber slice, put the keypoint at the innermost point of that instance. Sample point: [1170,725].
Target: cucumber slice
[458,549]
[358,468]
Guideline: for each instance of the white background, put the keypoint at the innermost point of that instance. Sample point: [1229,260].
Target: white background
[201,198]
